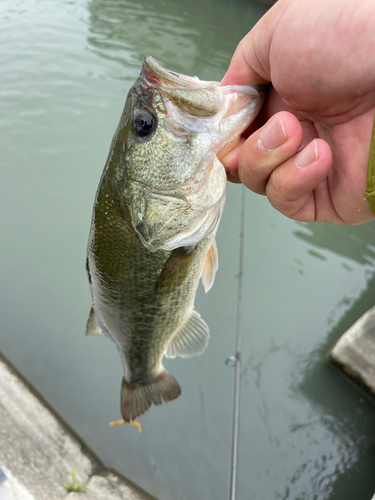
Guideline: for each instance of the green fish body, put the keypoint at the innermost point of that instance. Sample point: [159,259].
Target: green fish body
[155,217]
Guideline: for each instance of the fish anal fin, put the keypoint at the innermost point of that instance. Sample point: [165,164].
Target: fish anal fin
[92,326]
[175,270]
[191,339]
[137,399]
[210,266]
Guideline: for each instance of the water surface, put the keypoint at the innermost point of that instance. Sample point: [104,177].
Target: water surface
[65,69]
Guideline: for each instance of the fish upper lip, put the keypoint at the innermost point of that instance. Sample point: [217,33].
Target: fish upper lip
[162,77]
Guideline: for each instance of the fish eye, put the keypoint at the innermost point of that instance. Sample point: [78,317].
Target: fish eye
[144,124]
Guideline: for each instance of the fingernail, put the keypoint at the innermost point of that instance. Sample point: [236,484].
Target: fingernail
[307,156]
[273,135]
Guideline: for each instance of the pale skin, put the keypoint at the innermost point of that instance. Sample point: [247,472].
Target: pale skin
[310,154]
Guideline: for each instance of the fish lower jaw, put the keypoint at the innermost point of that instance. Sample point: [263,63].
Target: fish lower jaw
[227,149]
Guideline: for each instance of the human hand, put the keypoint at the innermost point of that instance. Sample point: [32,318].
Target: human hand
[310,155]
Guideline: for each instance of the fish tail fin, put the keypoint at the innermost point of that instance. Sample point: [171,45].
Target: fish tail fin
[137,399]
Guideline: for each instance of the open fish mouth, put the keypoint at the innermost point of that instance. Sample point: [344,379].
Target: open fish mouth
[165,78]
[224,109]
[192,95]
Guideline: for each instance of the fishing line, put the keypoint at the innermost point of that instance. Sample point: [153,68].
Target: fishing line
[236,360]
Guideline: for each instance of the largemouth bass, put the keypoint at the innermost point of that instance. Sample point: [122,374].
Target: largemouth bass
[155,217]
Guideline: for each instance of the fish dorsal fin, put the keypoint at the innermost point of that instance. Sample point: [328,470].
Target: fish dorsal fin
[93,327]
[210,266]
[191,339]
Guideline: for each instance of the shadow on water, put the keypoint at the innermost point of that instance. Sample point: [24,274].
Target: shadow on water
[348,241]
[345,413]
[195,37]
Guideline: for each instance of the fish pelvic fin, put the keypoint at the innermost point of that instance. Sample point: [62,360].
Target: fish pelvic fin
[191,339]
[210,266]
[137,399]
[92,326]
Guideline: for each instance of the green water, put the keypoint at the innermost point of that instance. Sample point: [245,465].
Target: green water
[65,69]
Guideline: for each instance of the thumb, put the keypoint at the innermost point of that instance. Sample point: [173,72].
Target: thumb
[250,61]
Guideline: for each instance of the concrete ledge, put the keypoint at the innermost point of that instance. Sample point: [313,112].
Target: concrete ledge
[108,486]
[354,353]
[38,451]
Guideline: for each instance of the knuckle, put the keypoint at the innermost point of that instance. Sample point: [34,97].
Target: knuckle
[284,197]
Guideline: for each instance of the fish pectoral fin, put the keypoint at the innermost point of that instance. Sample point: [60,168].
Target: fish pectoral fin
[175,270]
[191,339]
[92,326]
[210,266]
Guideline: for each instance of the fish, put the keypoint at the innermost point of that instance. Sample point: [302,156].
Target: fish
[156,213]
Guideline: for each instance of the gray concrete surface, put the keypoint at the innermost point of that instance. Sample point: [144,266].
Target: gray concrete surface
[354,353]
[38,451]
[107,486]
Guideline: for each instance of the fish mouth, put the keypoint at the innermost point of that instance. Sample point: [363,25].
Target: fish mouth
[204,106]
[200,98]
[157,74]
